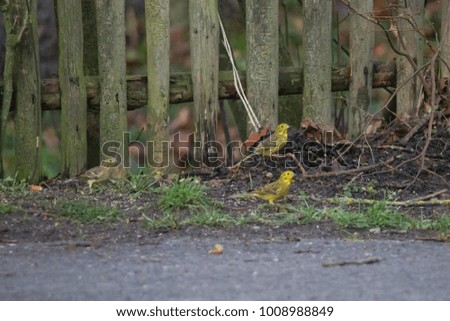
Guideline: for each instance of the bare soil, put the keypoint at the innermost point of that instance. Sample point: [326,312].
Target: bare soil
[381,162]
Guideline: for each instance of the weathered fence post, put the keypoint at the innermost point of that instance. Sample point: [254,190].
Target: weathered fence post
[237,108]
[204,38]
[445,50]
[90,61]
[317,61]
[361,71]
[22,75]
[408,21]
[112,70]
[262,59]
[158,73]
[72,87]
[12,38]
[289,107]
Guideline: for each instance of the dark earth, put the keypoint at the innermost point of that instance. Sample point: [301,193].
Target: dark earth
[33,229]
[376,170]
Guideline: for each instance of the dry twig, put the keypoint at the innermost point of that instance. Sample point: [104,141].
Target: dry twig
[350,171]
[369,260]
[419,201]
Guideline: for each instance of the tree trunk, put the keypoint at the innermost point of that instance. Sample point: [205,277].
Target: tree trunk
[317,61]
[72,87]
[112,77]
[204,33]
[262,59]
[158,73]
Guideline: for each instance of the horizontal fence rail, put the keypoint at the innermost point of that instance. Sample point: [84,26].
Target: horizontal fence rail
[290,83]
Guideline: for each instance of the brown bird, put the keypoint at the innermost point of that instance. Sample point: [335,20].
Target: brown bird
[108,170]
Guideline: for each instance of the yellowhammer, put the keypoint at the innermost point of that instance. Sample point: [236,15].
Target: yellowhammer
[108,170]
[272,144]
[276,190]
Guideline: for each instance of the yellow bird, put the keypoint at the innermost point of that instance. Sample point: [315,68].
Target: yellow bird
[109,169]
[272,144]
[276,190]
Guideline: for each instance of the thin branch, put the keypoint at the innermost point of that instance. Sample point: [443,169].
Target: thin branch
[433,98]
[370,260]
[397,89]
[419,201]
[393,46]
[350,171]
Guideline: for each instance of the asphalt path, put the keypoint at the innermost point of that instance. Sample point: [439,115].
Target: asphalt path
[182,269]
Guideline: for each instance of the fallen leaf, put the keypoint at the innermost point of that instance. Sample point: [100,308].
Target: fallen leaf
[218,249]
[427,108]
[253,138]
[374,125]
[35,188]
[324,133]
[306,123]
[442,85]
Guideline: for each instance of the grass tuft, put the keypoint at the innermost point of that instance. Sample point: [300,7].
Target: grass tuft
[86,213]
[5,208]
[183,194]
[167,221]
[211,218]
[378,215]
[13,185]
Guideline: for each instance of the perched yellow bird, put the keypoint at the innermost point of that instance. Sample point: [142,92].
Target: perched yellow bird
[276,190]
[272,144]
[108,170]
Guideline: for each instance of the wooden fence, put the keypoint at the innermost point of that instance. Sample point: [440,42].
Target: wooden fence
[92,71]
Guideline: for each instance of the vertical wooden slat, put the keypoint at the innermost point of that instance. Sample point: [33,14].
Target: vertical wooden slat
[239,114]
[410,41]
[317,61]
[158,44]
[12,38]
[28,95]
[361,56]
[204,38]
[72,87]
[289,107]
[90,60]
[112,70]
[445,50]
[262,59]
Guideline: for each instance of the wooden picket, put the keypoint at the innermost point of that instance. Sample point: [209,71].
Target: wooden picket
[204,33]
[104,86]
[317,61]
[361,57]
[72,86]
